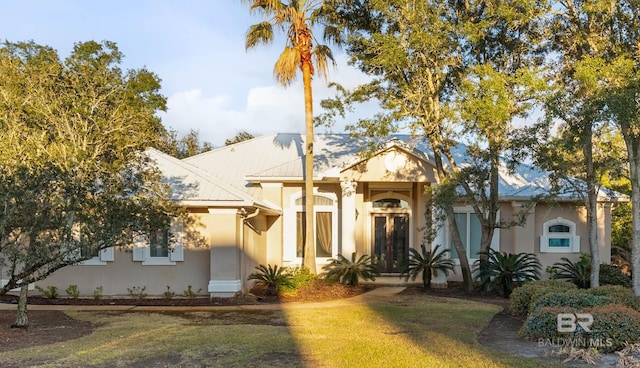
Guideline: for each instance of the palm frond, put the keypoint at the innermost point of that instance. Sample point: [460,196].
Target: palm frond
[507,270]
[286,68]
[321,55]
[426,262]
[260,33]
[349,272]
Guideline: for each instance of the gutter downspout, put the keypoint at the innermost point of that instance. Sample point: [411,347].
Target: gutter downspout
[243,214]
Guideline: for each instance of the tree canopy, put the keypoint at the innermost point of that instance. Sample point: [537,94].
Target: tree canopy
[74,179]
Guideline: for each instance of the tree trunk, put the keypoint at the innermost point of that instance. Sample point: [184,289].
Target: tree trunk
[592,208]
[467,279]
[633,151]
[22,321]
[309,251]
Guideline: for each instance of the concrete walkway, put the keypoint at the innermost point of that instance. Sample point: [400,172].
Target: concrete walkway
[380,293]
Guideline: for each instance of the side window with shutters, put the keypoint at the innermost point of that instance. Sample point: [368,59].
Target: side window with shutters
[160,247]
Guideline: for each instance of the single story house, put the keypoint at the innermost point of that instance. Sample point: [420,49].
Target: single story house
[245,203]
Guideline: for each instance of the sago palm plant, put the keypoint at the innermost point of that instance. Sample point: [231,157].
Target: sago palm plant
[349,272]
[506,269]
[579,272]
[427,262]
[271,278]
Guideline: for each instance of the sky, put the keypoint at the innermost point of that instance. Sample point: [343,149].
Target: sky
[196,47]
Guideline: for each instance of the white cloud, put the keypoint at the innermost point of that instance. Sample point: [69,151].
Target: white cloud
[266,109]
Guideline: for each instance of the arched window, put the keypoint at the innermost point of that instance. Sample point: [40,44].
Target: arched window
[559,236]
[325,210]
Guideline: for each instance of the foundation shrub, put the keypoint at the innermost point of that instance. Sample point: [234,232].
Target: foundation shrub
[610,275]
[543,323]
[300,276]
[578,299]
[614,325]
[618,295]
[524,297]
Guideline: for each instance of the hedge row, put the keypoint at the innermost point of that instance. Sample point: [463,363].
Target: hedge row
[615,312]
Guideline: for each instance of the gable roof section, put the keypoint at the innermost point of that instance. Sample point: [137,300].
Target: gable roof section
[194,187]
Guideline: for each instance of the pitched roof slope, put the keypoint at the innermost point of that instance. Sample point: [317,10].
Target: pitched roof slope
[190,184]
[281,156]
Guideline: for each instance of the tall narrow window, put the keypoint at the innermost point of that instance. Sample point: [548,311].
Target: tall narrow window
[159,243]
[470,231]
[325,227]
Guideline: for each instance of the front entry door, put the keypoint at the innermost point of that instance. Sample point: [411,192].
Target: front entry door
[391,240]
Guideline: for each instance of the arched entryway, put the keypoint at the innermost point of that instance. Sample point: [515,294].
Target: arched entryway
[390,219]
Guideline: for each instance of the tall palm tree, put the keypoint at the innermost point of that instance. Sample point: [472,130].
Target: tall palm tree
[297,18]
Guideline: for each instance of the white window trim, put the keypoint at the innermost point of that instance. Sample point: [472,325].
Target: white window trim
[104,256]
[574,240]
[495,241]
[142,253]
[289,253]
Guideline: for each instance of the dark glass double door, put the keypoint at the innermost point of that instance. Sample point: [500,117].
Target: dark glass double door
[391,240]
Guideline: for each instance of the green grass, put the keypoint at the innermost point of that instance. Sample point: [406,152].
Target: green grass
[416,331]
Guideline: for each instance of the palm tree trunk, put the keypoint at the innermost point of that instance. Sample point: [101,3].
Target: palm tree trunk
[309,252]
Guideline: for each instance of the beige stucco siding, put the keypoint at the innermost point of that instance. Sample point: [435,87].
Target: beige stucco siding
[115,277]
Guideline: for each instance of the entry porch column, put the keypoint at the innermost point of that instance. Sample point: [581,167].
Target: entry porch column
[348,218]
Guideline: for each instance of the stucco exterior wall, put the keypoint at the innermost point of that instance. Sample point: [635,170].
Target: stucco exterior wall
[115,277]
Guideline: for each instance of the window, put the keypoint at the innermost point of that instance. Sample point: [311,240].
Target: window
[471,234]
[559,236]
[86,249]
[160,247]
[325,227]
[322,229]
[159,243]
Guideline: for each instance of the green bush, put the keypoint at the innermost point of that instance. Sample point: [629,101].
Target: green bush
[300,276]
[426,263]
[137,292]
[168,295]
[189,293]
[613,327]
[578,299]
[543,323]
[579,272]
[522,298]
[73,292]
[271,278]
[610,275]
[51,292]
[618,295]
[97,293]
[616,325]
[349,272]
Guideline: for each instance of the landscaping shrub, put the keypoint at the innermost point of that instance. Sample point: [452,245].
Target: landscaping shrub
[578,299]
[51,292]
[522,298]
[619,295]
[579,272]
[426,262]
[611,275]
[507,270]
[614,324]
[271,278]
[349,272]
[300,276]
[543,323]
[73,292]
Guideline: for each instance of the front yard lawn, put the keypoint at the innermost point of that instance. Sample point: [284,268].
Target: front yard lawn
[403,331]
